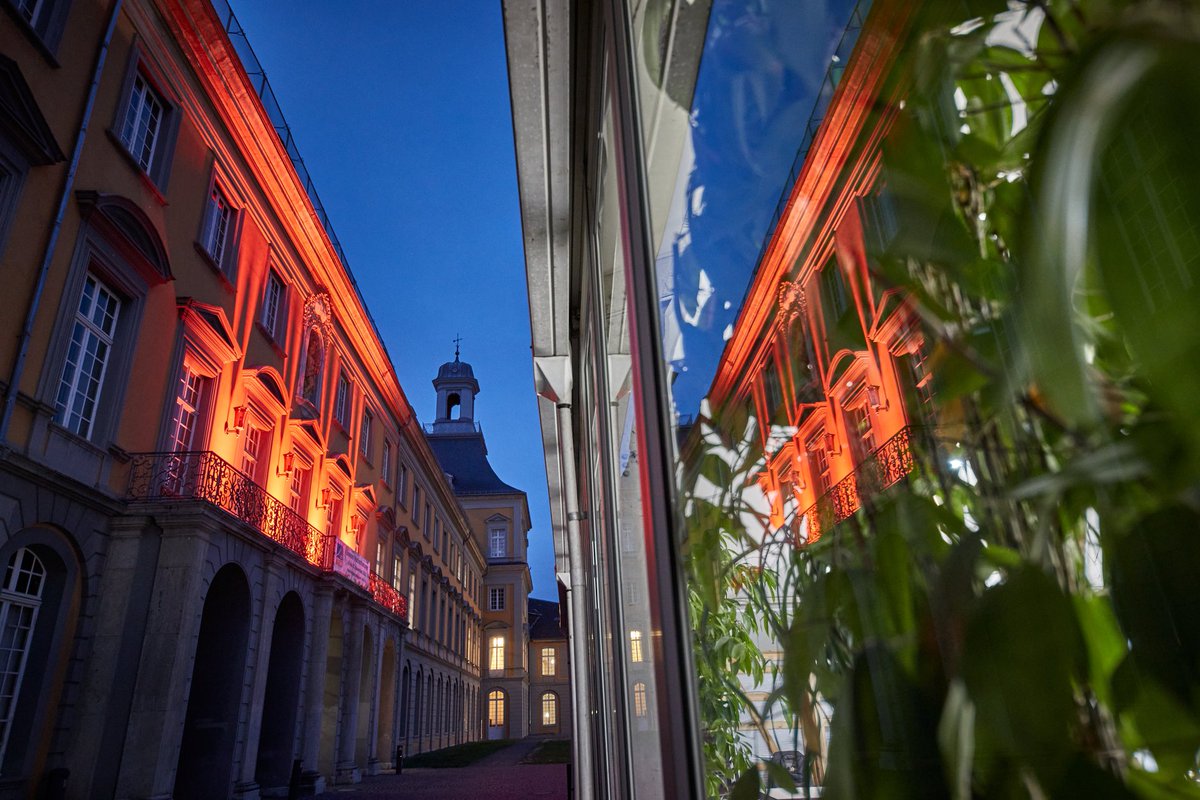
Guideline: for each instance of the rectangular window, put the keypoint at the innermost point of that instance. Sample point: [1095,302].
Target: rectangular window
[437,535]
[635,647]
[298,490]
[412,591]
[416,512]
[252,451]
[548,661]
[341,401]
[385,462]
[364,435]
[87,358]
[273,312]
[818,463]
[496,654]
[144,117]
[497,542]
[333,515]
[380,555]
[217,229]
[402,485]
[188,402]
[496,598]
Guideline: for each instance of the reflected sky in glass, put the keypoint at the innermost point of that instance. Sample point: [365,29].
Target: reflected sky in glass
[765,65]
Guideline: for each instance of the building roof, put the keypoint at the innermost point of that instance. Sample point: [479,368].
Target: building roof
[456,369]
[544,622]
[463,457]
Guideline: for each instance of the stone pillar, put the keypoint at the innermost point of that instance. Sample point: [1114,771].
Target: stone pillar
[164,673]
[314,689]
[245,786]
[373,726]
[347,770]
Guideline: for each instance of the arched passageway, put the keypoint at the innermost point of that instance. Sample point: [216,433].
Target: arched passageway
[366,691]
[281,697]
[210,725]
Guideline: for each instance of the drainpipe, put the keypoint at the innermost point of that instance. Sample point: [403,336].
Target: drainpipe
[10,396]
[579,656]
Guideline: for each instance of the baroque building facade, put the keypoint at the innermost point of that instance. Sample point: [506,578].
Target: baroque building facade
[231,559]
[499,519]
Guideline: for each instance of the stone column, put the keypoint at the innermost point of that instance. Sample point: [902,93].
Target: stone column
[377,677]
[160,696]
[245,786]
[314,688]
[347,769]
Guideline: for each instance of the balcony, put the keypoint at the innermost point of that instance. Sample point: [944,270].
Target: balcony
[386,595]
[886,465]
[203,476]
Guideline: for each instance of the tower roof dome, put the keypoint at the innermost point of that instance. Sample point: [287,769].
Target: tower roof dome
[455,369]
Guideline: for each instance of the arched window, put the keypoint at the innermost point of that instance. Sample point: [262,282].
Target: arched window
[549,709]
[20,599]
[453,406]
[639,699]
[495,708]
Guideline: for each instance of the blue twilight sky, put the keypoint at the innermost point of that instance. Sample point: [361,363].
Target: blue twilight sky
[400,110]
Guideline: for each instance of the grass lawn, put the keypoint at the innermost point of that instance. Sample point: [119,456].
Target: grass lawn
[457,756]
[554,751]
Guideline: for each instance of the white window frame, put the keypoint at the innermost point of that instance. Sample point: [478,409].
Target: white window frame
[496,596]
[385,461]
[549,710]
[273,318]
[19,597]
[364,433]
[217,230]
[341,400]
[497,541]
[76,387]
[636,653]
[549,662]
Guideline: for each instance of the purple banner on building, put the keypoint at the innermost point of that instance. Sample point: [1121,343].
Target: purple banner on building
[350,565]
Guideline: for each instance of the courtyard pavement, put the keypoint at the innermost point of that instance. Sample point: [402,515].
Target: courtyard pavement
[499,776]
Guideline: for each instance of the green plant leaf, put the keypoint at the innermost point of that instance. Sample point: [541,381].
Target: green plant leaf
[746,787]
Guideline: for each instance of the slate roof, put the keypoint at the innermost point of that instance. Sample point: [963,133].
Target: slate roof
[464,458]
[544,622]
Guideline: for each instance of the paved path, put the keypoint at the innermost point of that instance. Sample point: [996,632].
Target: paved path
[495,777]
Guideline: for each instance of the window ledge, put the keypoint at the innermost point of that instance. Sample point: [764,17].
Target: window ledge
[31,33]
[275,345]
[146,179]
[216,268]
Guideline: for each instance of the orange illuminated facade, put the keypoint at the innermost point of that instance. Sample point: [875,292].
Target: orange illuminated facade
[228,545]
[827,359]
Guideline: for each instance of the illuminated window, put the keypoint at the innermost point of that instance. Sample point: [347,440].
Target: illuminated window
[412,591]
[188,400]
[142,130]
[497,541]
[87,358]
[333,514]
[495,708]
[274,314]
[298,490]
[20,599]
[341,401]
[496,654]
[635,646]
[496,598]
[548,661]
[216,230]
[549,709]
[639,699]
[252,451]
[364,434]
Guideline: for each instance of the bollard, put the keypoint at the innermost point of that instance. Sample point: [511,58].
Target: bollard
[399,759]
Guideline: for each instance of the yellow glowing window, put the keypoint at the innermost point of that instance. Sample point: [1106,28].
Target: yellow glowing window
[548,665]
[635,646]
[639,699]
[549,709]
[496,708]
[496,654]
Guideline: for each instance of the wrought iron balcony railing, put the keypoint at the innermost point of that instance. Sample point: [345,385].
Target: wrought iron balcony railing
[205,476]
[386,595]
[886,465]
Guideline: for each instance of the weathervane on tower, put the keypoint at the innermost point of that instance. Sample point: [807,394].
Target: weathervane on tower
[457,342]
